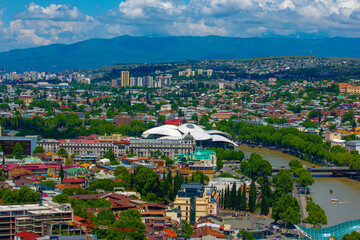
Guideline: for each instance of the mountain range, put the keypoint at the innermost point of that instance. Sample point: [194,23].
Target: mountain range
[95,53]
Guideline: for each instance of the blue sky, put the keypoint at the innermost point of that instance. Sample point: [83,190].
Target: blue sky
[26,24]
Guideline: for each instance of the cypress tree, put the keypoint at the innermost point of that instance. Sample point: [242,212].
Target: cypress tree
[252,197]
[243,199]
[264,205]
[239,200]
[233,197]
[61,173]
[228,198]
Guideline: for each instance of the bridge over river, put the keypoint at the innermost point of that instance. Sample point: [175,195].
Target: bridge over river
[333,170]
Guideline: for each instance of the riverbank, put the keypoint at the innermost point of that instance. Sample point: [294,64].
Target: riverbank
[248,149]
[345,189]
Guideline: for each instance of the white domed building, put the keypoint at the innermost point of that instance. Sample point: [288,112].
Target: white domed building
[203,138]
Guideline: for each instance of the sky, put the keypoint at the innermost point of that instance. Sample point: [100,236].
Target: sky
[25,24]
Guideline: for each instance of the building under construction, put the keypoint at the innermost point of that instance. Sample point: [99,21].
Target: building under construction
[34,218]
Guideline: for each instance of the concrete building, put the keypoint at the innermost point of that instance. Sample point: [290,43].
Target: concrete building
[352,145]
[170,148]
[30,217]
[193,202]
[28,143]
[125,79]
[85,148]
[332,135]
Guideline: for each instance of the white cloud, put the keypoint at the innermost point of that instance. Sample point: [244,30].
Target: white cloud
[60,23]
[53,11]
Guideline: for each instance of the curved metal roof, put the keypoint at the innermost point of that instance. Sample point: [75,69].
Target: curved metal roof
[200,136]
[189,127]
[217,132]
[219,138]
[337,231]
[162,130]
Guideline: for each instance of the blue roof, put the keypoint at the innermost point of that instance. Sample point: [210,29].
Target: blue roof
[337,231]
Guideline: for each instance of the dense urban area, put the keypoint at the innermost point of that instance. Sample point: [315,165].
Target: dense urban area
[153,151]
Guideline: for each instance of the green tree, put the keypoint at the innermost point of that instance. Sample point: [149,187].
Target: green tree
[187,229]
[305,179]
[61,173]
[284,182]
[351,236]
[49,183]
[123,174]
[111,156]
[243,234]
[294,164]
[264,205]
[287,209]
[62,152]
[18,151]
[316,215]
[204,120]
[39,149]
[199,176]
[252,197]
[194,118]
[161,119]
[128,219]
[61,198]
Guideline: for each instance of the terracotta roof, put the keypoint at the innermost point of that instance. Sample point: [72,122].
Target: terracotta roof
[205,231]
[170,233]
[25,235]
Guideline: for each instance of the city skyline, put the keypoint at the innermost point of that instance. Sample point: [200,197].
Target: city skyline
[26,24]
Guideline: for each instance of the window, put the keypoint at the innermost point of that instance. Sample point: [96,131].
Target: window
[210,211]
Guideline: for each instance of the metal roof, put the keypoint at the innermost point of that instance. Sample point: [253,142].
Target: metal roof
[337,231]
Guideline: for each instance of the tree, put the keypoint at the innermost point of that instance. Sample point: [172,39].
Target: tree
[199,176]
[61,173]
[252,197]
[128,219]
[18,151]
[61,198]
[351,236]
[111,156]
[49,183]
[194,118]
[123,174]
[187,229]
[243,234]
[39,149]
[294,164]
[287,209]
[62,152]
[305,179]
[264,205]
[284,182]
[243,200]
[161,119]
[316,215]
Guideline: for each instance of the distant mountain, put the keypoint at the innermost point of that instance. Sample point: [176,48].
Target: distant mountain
[94,53]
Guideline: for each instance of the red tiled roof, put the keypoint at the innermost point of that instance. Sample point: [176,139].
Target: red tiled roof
[205,231]
[73,180]
[25,235]
[170,233]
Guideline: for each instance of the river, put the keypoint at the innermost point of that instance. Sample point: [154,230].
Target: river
[344,189]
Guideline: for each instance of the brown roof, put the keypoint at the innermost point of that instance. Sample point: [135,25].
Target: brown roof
[88,196]
[205,231]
